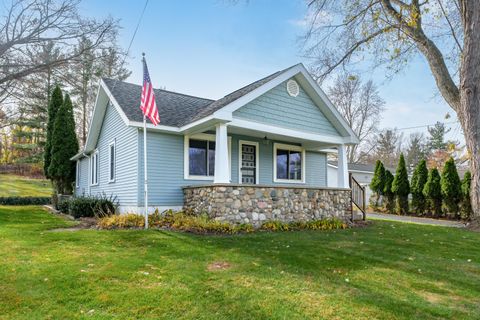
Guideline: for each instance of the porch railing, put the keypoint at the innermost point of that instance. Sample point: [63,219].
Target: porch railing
[358,195]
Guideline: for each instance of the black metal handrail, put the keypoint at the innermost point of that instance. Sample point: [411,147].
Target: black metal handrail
[358,195]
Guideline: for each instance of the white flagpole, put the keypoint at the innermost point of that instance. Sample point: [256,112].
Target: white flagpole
[145,169]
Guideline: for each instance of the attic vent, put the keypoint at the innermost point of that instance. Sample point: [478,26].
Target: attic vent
[292,88]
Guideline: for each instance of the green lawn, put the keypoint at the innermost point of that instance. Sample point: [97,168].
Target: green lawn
[17,186]
[385,271]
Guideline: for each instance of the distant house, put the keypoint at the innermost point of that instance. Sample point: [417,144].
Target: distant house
[258,153]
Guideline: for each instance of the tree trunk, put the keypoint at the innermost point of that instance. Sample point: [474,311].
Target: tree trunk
[469,112]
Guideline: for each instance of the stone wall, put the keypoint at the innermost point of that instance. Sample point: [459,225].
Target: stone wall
[255,204]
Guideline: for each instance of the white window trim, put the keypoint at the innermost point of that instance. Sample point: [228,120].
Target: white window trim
[186,155]
[77,174]
[95,154]
[289,147]
[112,143]
[257,160]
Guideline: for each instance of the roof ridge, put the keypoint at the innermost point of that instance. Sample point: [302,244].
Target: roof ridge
[168,91]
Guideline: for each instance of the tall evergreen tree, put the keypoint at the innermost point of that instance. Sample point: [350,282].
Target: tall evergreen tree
[64,146]
[433,192]
[378,181]
[451,188]
[419,178]
[401,186]
[388,193]
[436,141]
[466,202]
[56,102]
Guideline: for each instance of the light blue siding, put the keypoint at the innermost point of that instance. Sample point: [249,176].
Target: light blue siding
[166,167]
[126,182]
[81,188]
[277,107]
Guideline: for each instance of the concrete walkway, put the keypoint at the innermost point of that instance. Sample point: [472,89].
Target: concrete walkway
[408,219]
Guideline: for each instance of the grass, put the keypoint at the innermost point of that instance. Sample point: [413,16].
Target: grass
[17,186]
[385,271]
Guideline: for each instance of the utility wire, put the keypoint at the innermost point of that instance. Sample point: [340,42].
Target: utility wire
[424,126]
[131,40]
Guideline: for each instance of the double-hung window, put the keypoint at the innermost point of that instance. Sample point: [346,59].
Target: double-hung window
[77,174]
[94,168]
[289,163]
[112,158]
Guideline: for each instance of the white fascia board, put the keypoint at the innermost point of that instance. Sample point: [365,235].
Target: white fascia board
[354,139]
[350,170]
[114,102]
[248,124]
[104,96]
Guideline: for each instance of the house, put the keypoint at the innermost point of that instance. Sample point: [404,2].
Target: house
[363,173]
[255,154]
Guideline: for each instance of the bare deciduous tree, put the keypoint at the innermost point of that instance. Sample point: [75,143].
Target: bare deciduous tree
[389,32]
[27,25]
[361,105]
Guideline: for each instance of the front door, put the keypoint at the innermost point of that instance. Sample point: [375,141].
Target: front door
[248,162]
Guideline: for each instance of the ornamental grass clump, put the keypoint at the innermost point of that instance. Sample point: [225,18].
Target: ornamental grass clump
[202,224]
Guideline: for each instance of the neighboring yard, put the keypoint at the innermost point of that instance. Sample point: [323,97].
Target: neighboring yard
[17,186]
[385,271]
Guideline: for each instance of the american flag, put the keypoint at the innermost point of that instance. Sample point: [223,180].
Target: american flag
[148,105]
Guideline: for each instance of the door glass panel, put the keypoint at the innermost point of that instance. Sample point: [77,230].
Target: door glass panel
[248,168]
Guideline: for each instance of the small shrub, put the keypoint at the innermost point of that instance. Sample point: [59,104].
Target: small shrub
[466,202]
[378,182]
[99,206]
[401,186]
[321,224]
[387,191]
[433,192]
[24,201]
[419,178]
[451,189]
[63,205]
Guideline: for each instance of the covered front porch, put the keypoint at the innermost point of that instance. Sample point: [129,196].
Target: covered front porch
[261,172]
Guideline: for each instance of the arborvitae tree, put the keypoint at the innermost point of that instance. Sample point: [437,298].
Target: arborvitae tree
[401,186]
[64,146]
[419,178]
[433,192]
[56,102]
[451,188]
[466,204]
[378,181]
[388,193]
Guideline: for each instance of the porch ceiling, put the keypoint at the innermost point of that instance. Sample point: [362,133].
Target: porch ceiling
[308,144]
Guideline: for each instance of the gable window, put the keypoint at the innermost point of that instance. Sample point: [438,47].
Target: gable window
[112,158]
[94,168]
[289,163]
[200,156]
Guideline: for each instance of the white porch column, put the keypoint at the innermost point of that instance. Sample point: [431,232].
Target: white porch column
[342,167]
[222,168]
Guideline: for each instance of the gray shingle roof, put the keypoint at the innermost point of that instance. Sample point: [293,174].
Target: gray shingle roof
[176,109]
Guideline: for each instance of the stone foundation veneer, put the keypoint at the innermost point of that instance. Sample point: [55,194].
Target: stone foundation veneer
[237,203]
